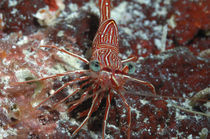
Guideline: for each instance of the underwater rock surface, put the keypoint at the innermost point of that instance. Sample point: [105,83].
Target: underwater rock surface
[169,37]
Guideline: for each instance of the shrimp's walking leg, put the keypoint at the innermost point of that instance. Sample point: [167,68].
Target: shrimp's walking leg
[82,99]
[89,114]
[67,52]
[54,76]
[76,91]
[108,103]
[62,87]
[132,58]
[78,102]
[129,114]
[84,113]
[142,82]
[61,101]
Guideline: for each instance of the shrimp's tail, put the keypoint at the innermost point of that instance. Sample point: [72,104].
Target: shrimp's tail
[104,6]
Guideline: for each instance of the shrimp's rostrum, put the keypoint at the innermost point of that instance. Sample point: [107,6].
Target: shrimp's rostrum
[107,73]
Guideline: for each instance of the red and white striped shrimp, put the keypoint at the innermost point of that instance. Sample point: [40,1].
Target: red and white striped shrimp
[106,71]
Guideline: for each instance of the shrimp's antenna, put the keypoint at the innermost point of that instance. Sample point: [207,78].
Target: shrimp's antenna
[67,52]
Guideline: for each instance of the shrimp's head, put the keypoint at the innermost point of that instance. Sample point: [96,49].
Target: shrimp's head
[108,73]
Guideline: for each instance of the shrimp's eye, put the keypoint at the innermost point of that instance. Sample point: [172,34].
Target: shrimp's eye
[94,65]
[131,67]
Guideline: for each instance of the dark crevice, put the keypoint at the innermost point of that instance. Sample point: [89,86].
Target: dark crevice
[200,34]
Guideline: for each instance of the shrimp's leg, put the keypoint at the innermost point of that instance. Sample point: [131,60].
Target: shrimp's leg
[53,76]
[75,104]
[108,103]
[62,87]
[70,95]
[129,114]
[67,52]
[76,91]
[141,82]
[83,98]
[84,113]
[89,113]
[132,58]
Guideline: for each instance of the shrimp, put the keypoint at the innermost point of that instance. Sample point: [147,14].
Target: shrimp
[107,72]
[106,77]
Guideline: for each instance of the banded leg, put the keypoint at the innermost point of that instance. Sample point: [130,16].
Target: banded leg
[70,95]
[129,114]
[132,58]
[78,102]
[82,99]
[75,92]
[141,82]
[89,114]
[84,113]
[62,87]
[54,76]
[108,103]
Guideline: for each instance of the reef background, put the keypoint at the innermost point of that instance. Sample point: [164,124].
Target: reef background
[171,39]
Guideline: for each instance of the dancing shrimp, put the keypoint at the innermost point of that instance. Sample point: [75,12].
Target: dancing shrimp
[107,73]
